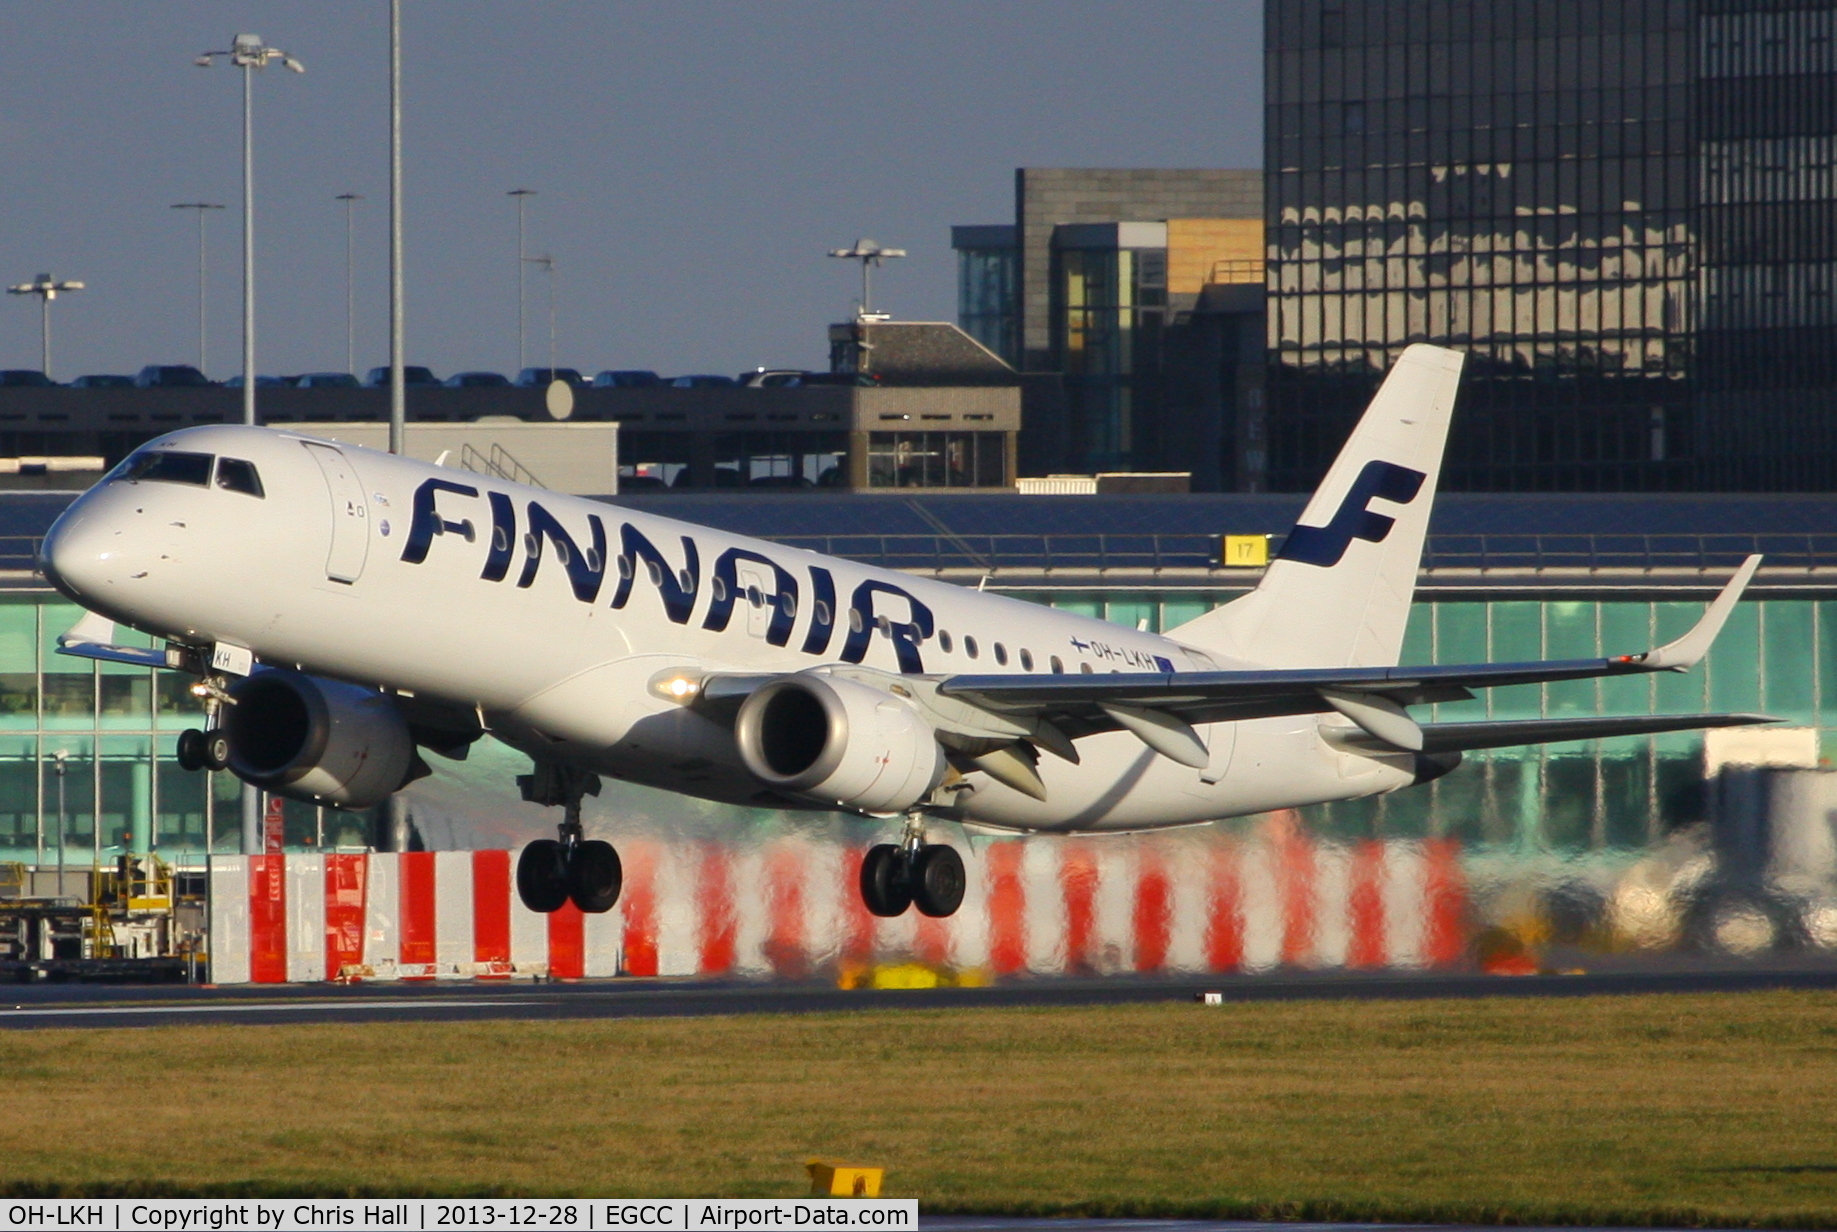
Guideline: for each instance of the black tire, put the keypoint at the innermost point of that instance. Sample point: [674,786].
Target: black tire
[191,749]
[938,881]
[216,749]
[595,876]
[884,886]
[542,876]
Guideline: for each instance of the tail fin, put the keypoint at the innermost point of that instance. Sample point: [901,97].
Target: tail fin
[1339,593]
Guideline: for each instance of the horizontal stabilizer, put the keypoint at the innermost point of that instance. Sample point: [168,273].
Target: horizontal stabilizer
[1507,733]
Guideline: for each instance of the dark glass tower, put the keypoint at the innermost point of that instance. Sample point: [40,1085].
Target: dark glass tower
[1624,210]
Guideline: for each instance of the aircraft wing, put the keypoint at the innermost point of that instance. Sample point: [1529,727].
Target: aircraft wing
[1374,698]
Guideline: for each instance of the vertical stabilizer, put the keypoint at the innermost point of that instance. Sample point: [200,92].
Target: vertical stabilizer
[1339,593]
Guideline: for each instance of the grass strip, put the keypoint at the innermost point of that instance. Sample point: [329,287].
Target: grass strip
[1678,1110]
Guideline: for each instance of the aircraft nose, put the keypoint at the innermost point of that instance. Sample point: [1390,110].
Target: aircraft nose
[80,554]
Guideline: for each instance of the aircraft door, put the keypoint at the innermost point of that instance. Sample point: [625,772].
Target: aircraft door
[350,514]
[758,589]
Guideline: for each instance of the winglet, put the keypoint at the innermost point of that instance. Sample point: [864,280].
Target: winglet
[1687,651]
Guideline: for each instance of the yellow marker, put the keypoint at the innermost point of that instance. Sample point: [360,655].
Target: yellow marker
[1245,551]
[835,1181]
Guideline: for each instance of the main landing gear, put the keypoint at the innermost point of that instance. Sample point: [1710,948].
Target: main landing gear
[912,873]
[550,872]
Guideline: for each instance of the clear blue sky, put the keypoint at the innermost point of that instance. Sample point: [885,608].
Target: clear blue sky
[693,160]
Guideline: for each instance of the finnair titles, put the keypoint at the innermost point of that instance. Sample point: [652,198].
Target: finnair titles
[346,610]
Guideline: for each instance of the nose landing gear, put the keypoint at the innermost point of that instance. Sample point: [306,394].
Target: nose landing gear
[552,871]
[208,749]
[928,876]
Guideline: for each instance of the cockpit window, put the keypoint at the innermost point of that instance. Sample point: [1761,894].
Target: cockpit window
[238,476]
[168,466]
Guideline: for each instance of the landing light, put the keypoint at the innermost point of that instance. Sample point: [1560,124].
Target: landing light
[679,685]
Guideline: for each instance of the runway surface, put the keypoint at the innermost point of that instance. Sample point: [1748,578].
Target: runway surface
[78,1005]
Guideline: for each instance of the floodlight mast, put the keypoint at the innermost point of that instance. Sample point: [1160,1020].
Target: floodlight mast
[870,255]
[248,53]
[522,196]
[46,288]
[350,199]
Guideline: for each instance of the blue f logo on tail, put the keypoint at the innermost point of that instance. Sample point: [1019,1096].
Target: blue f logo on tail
[1324,545]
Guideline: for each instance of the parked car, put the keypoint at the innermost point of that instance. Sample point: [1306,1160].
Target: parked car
[30,378]
[477,380]
[840,378]
[539,378]
[626,378]
[703,380]
[378,378]
[325,380]
[773,378]
[171,376]
[264,382]
[103,380]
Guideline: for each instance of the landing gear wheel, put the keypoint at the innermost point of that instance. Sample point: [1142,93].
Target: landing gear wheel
[191,749]
[542,876]
[884,886]
[937,881]
[216,749]
[595,876]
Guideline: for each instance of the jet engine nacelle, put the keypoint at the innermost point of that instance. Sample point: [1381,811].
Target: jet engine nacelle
[317,740]
[839,742]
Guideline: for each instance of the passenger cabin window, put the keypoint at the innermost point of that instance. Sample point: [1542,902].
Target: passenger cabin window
[168,466]
[969,646]
[1057,667]
[236,475]
[1027,660]
[944,639]
[1001,654]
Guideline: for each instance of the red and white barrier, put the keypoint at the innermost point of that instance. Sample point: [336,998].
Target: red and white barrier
[789,908]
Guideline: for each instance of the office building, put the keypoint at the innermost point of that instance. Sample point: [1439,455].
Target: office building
[1098,282]
[1625,212]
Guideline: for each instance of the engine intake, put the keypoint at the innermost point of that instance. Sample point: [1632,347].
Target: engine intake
[318,740]
[839,742]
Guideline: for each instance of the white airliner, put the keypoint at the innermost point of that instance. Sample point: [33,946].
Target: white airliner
[343,607]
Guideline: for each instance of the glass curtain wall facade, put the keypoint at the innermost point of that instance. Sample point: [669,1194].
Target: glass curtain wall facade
[1617,209]
[989,287]
[1109,327]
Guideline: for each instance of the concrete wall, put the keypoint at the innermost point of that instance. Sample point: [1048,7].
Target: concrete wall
[565,457]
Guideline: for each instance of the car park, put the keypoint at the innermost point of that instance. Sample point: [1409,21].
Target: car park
[478,380]
[626,378]
[171,376]
[326,380]
[378,378]
[103,380]
[264,382]
[537,378]
[773,378]
[703,380]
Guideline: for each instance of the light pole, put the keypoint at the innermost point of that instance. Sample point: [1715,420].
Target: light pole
[201,207]
[248,53]
[398,395]
[870,255]
[350,319]
[548,268]
[46,288]
[522,195]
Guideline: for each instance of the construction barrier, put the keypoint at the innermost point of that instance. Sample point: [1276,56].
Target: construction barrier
[789,908]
